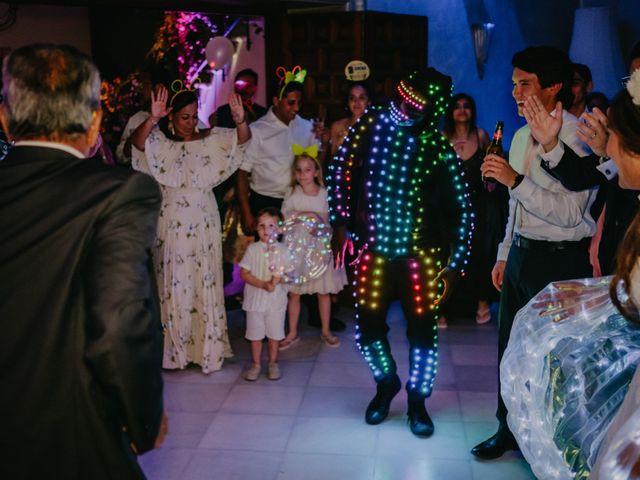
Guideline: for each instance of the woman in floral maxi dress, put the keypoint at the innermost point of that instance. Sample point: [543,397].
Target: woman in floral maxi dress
[188,252]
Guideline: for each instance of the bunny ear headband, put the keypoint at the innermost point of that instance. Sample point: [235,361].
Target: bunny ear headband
[178,87]
[297,74]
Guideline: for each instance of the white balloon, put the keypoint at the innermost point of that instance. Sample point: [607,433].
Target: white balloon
[219,52]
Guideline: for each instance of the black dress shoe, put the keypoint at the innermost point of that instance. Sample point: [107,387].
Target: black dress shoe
[378,407]
[495,446]
[419,420]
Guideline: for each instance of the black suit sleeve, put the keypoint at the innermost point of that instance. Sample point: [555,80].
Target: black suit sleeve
[124,334]
[577,173]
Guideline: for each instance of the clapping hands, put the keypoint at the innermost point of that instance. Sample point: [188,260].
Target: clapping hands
[592,130]
[544,126]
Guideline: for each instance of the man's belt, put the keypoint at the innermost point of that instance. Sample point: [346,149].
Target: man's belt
[549,246]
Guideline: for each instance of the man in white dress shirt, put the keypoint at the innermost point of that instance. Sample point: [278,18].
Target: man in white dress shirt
[549,227]
[269,159]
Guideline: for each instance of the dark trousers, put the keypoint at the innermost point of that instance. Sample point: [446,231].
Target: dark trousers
[528,271]
[257,202]
[379,282]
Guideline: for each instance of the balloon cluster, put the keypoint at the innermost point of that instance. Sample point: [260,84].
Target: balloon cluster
[308,250]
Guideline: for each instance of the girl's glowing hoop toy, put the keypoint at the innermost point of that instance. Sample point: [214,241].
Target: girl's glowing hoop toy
[308,250]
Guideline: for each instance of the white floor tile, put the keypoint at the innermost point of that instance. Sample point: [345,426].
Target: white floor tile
[395,439]
[267,399]
[186,429]
[232,465]
[194,397]
[475,355]
[310,424]
[336,402]
[332,436]
[477,379]
[405,468]
[341,375]
[166,463]
[265,433]
[228,374]
[298,466]
[508,467]
[478,406]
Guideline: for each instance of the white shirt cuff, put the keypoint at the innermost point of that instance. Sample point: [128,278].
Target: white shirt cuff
[608,169]
[553,157]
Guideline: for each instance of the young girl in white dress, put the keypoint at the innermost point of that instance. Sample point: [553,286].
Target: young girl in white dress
[306,196]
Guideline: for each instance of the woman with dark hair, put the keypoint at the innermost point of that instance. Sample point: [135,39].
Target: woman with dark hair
[470,143]
[188,163]
[357,101]
[619,455]
[461,130]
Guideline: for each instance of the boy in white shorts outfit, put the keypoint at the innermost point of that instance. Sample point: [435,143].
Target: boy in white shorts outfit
[265,298]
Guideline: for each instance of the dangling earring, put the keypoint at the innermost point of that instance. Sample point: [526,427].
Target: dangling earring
[171,129]
[196,130]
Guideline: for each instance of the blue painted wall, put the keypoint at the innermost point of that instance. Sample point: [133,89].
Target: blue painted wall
[519,23]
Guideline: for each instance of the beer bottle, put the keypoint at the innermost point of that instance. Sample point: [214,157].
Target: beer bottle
[495,146]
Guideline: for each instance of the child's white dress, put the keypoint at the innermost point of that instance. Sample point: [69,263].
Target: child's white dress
[296,201]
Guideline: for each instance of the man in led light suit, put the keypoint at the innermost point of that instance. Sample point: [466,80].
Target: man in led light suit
[397,187]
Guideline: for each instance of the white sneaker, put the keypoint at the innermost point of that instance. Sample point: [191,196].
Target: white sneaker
[273,371]
[252,373]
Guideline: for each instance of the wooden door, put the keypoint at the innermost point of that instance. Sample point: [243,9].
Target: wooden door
[323,44]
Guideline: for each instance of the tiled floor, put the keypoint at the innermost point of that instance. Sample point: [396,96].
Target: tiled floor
[310,424]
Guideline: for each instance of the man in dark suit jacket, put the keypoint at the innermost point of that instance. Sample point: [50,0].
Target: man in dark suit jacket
[81,343]
[576,173]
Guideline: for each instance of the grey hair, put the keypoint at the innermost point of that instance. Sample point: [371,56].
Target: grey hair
[49,90]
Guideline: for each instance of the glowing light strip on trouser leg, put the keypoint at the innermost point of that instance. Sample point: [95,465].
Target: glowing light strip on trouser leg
[367,293]
[424,360]
[378,356]
[424,365]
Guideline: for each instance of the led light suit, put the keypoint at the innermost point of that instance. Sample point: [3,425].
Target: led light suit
[397,186]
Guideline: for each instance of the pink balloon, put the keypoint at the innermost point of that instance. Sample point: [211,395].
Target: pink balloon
[219,51]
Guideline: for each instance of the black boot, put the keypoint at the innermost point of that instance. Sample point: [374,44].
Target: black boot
[419,420]
[378,408]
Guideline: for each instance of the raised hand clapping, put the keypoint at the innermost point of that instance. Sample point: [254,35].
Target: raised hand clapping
[592,130]
[544,126]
